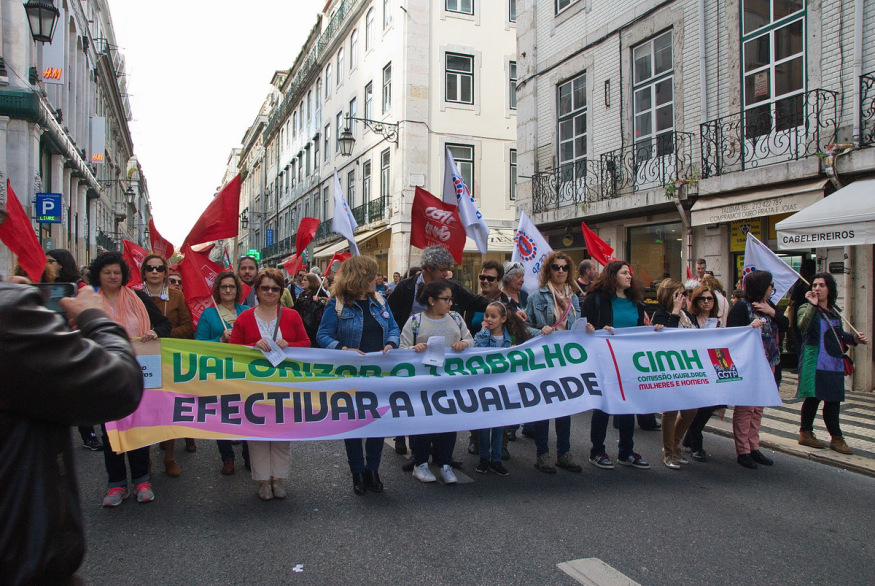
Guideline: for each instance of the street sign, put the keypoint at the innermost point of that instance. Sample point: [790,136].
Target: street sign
[269,237]
[48,208]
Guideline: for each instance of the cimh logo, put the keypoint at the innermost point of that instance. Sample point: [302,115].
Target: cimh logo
[526,246]
[723,365]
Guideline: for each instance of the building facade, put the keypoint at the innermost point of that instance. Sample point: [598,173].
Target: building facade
[64,117]
[675,127]
[425,76]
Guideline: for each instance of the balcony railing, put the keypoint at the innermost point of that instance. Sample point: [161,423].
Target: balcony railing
[574,184]
[649,164]
[376,209]
[323,232]
[360,213]
[867,109]
[789,129]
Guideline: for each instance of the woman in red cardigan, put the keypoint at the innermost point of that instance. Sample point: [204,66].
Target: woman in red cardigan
[268,320]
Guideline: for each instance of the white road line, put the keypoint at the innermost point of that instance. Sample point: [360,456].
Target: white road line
[595,572]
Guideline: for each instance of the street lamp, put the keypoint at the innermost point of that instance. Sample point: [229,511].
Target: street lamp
[42,15]
[244,218]
[346,141]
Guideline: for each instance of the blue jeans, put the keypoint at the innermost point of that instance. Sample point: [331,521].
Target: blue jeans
[599,430]
[443,443]
[491,440]
[373,448]
[563,435]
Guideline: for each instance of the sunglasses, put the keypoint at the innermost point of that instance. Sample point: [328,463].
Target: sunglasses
[559,267]
[489,278]
[268,289]
[706,299]
[230,287]
[174,281]
[154,269]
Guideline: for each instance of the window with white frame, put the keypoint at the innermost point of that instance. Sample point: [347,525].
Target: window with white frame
[653,97]
[340,66]
[459,75]
[464,156]
[315,154]
[511,10]
[339,126]
[387,88]
[326,143]
[370,30]
[353,49]
[387,14]
[511,79]
[353,113]
[301,117]
[369,100]
[318,95]
[773,48]
[384,175]
[463,6]
[563,4]
[350,189]
[309,106]
[572,110]
[513,175]
[326,198]
[366,181]
[328,81]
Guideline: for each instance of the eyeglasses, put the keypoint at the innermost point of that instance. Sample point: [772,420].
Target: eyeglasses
[559,267]
[489,278]
[447,299]
[268,289]
[706,299]
[154,269]
[173,281]
[232,287]
[52,261]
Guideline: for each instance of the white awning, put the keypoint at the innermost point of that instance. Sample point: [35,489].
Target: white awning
[756,203]
[844,218]
[329,250]
[500,240]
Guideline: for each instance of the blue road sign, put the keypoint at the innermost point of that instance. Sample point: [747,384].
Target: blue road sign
[48,208]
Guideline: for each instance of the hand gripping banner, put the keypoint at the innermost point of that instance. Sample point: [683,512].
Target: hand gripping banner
[219,391]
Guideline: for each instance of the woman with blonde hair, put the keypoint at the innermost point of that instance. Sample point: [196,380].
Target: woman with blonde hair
[358,319]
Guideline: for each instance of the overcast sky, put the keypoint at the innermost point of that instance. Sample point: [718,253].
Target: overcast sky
[197,73]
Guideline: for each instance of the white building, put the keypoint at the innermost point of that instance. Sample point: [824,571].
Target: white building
[427,75]
[674,127]
[64,129]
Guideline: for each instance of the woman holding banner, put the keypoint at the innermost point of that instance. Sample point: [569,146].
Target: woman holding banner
[256,327]
[358,319]
[215,325]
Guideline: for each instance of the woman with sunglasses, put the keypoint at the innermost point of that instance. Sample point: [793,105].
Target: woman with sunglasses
[172,305]
[554,306]
[256,326]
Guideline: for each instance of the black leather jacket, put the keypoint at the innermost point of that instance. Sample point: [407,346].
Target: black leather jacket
[52,378]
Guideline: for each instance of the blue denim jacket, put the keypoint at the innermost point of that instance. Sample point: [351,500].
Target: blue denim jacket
[347,331]
[484,339]
[539,309]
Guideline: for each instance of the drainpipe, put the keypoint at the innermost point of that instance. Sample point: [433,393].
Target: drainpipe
[858,66]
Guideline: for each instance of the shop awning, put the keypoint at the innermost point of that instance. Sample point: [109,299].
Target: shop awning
[500,240]
[757,203]
[844,218]
[329,250]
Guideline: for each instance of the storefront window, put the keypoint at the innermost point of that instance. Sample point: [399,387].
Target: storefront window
[655,253]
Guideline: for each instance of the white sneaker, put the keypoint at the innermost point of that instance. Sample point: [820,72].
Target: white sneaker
[447,474]
[423,474]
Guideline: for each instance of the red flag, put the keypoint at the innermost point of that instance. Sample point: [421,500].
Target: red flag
[226,259]
[219,220]
[436,222]
[158,243]
[338,257]
[198,273]
[598,249]
[306,233]
[293,264]
[690,274]
[134,255]
[18,234]
[204,250]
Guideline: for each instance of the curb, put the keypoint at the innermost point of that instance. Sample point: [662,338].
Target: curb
[851,463]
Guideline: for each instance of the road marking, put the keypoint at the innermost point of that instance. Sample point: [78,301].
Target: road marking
[595,572]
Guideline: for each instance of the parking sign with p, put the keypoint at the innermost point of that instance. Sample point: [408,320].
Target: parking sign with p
[48,208]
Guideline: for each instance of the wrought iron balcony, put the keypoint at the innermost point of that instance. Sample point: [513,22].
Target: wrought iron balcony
[323,232]
[867,109]
[647,164]
[789,129]
[360,213]
[376,209]
[570,184]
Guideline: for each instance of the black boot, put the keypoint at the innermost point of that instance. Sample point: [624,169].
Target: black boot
[401,445]
[747,461]
[358,483]
[372,481]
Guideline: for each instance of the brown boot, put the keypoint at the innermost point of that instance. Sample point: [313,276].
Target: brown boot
[806,438]
[838,445]
[172,468]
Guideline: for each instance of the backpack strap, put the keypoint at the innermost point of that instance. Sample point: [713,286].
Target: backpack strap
[415,320]
[457,318]
[338,307]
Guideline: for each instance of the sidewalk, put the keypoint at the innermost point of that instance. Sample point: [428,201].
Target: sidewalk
[780,429]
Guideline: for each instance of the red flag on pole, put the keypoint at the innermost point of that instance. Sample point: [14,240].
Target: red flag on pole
[158,243]
[338,257]
[18,234]
[198,273]
[293,264]
[134,255]
[690,274]
[598,249]
[219,220]
[434,221]
[306,233]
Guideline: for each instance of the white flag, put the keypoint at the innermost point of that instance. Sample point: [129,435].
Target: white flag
[455,191]
[343,222]
[530,249]
[758,257]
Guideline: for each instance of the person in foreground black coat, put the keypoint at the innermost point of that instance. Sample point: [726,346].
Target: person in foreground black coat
[50,379]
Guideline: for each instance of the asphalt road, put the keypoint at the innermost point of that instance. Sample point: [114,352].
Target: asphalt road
[797,522]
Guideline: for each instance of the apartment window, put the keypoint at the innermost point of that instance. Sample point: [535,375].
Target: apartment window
[350,189]
[295,123]
[773,44]
[369,100]
[326,197]
[384,175]
[307,159]
[369,30]
[460,78]
[511,10]
[572,120]
[653,97]
[353,49]
[387,14]
[309,106]
[511,80]
[327,141]
[301,117]
[463,6]
[340,66]
[300,168]
[353,113]
[327,81]
[464,157]
[318,95]
[513,175]
[317,204]
[315,154]
[339,125]
[387,88]
[366,181]
[563,4]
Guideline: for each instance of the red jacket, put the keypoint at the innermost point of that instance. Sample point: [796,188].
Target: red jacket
[246,332]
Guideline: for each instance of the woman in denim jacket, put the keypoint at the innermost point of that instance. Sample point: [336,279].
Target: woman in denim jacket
[554,306]
[358,319]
